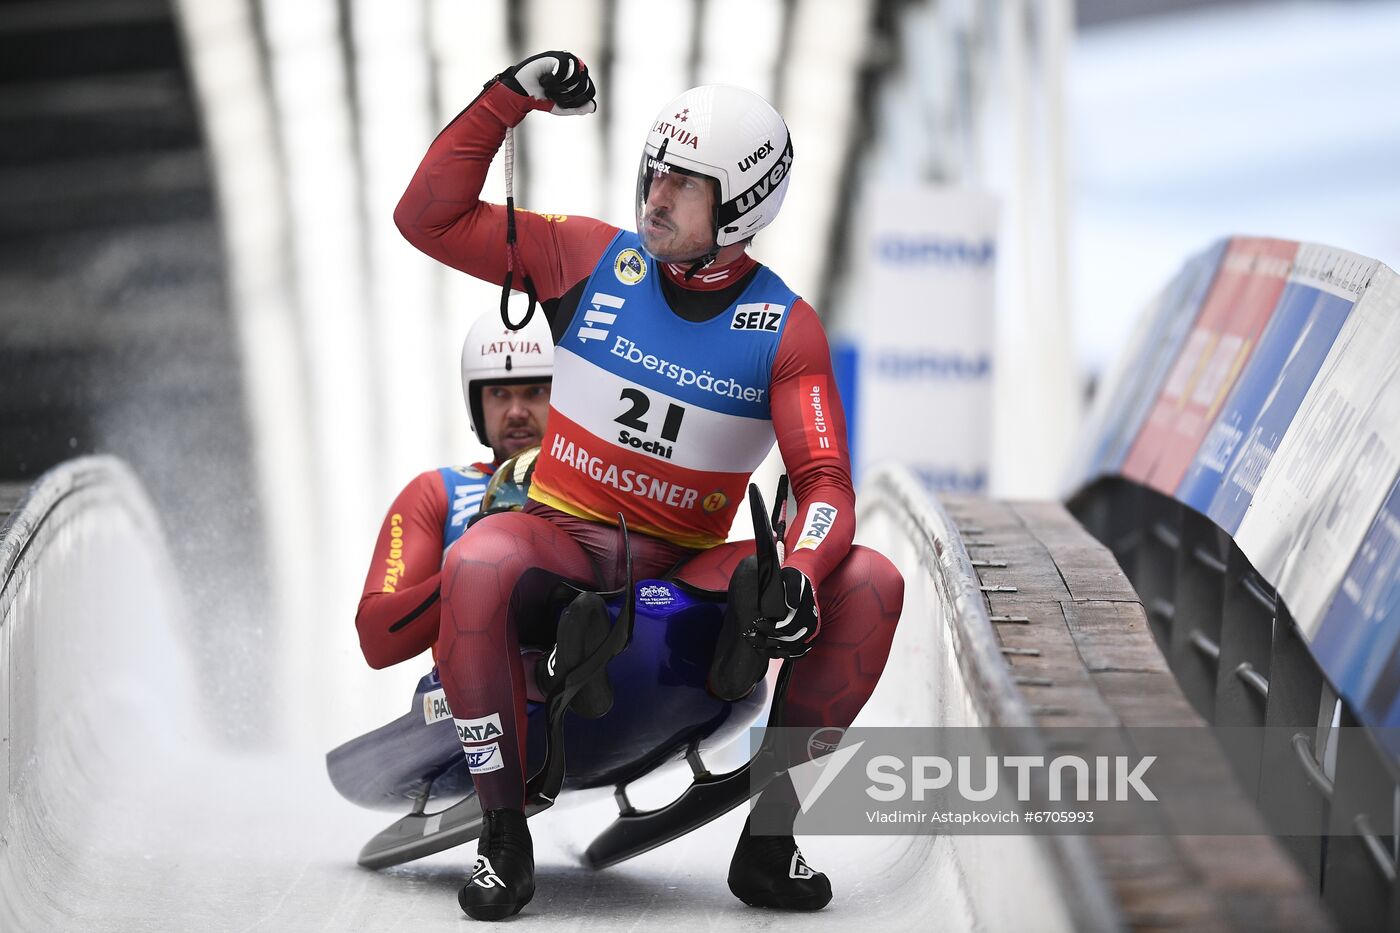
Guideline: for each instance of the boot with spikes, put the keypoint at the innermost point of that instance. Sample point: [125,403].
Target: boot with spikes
[769,871]
[503,879]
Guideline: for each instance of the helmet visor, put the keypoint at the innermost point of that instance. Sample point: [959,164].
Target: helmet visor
[655,167]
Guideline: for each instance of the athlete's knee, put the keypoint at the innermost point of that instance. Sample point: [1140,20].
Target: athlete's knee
[886,579]
[487,552]
[866,569]
[713,569]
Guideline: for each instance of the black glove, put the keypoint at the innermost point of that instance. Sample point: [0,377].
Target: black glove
[789,637]
[559,78]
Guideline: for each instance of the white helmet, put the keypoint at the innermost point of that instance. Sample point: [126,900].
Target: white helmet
[492,353]
[733,136]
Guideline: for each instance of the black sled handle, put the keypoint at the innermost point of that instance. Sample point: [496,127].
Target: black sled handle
[546,783]
[771,602]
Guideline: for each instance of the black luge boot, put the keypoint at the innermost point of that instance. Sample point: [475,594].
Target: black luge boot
[583,627]
[503,879]
[769,871]
[737,667]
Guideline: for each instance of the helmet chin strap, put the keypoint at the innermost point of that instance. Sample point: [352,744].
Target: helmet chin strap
[702,262]
[713,252]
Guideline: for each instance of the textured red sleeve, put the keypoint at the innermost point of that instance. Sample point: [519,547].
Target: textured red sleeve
[443,215]
[811,428]
[399,609]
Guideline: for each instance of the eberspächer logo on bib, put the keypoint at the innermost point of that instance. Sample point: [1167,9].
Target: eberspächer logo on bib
[596,321]
[684,376]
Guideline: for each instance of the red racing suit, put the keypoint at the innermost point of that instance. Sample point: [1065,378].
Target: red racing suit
[400,608]
[490,576]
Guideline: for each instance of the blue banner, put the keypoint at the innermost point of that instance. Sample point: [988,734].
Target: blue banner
[1232,458]
[1358,641]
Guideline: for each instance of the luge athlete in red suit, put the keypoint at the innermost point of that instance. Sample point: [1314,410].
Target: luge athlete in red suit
[505,382]
[678,360]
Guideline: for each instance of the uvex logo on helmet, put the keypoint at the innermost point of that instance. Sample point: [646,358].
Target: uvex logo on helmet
[765,186]
[750,161]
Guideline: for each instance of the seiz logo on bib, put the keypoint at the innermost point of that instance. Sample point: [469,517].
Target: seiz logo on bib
[479,730]
[764,317]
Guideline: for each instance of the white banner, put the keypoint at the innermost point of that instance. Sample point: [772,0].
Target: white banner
[924,295]
[1335,464]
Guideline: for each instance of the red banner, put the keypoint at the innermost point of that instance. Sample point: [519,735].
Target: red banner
[1246,289]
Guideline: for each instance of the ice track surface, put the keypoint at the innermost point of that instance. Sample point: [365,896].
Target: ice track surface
[120,814]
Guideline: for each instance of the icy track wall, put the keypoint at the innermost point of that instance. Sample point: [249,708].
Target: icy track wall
[957,677]
[87,598]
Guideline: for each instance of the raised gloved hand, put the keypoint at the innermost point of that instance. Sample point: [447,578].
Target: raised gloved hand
[560,79]
[791,636]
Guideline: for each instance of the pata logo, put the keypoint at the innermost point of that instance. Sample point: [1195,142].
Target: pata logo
[435,707]
[479,730]
[820,517]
